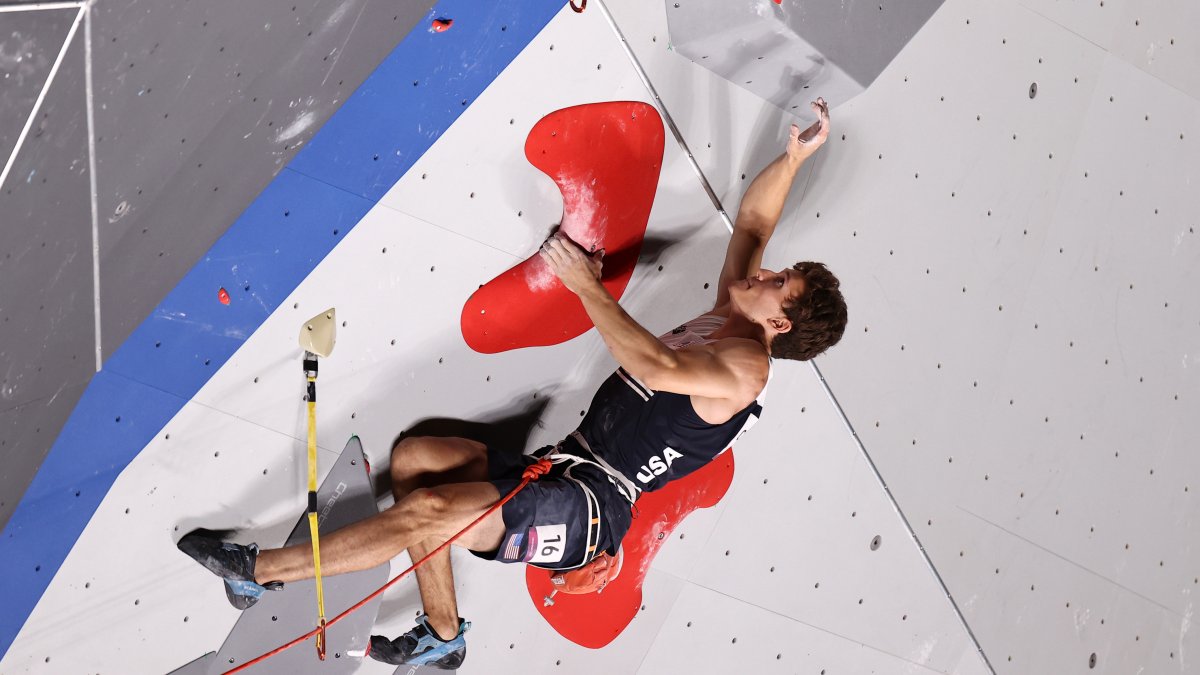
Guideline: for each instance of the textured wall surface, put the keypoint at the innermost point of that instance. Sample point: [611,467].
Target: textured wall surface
[1009,207]
[47,314]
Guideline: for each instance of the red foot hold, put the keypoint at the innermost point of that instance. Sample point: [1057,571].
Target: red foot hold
[223,296]
[605,159]
[596,619]
[441,25]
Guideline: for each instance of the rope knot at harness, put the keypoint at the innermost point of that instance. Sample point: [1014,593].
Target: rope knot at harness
[536,471]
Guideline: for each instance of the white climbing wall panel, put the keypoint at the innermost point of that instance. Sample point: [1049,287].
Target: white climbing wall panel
[1021,362]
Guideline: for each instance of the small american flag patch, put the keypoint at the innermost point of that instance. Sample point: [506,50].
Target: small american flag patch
[513,550]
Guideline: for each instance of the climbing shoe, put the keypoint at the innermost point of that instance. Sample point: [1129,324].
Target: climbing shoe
[421,646]
[234,563]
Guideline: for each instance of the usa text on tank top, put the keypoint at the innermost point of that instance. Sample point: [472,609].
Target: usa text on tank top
[654,437]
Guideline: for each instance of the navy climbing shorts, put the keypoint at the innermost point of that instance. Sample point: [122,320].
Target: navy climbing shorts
[549,524]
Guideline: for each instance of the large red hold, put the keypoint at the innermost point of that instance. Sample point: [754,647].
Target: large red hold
[605,159]
[596,619]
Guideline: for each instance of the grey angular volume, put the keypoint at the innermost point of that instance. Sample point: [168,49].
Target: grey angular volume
[345,496]
[789,52]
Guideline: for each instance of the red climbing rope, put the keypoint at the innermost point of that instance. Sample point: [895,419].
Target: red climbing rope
[531,473]
[582,6]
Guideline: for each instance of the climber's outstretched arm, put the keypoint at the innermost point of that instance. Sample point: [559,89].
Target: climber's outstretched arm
[763,203]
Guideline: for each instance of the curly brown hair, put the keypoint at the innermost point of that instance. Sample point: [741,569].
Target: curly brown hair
[818,316]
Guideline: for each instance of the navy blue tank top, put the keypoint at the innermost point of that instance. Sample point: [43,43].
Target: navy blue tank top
[653,437]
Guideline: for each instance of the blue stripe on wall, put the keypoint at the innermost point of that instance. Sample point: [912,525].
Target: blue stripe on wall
[351,162]
[260,260]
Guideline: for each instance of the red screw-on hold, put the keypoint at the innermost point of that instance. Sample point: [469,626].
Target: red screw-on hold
[441,25]
[223,296]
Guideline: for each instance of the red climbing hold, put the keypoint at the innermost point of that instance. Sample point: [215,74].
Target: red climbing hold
[596,619]
[223,296]
[441,25]
[605,159]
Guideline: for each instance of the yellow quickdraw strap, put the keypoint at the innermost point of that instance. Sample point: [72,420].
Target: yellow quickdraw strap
[312,500]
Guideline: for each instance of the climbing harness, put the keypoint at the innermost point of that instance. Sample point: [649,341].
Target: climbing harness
[625,486]
[531,473]
[596,570]
[317,339]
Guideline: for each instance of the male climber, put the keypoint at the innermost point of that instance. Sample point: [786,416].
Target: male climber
[674,404]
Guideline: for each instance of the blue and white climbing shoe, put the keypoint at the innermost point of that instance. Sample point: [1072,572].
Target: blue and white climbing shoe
[421,646]
[234,563]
